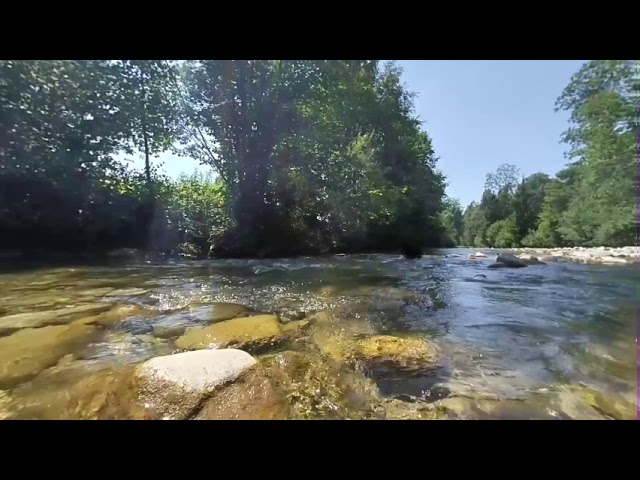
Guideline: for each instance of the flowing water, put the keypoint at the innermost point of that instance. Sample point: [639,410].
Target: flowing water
[555,341]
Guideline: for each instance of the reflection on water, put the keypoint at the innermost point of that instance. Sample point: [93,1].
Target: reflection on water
[553,341]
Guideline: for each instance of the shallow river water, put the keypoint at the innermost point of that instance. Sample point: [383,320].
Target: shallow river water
[555,341]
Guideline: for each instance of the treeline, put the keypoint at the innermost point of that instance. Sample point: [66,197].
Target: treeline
[309,156]
[592,201]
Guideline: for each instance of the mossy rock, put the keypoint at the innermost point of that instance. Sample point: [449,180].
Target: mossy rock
[247,333]
[400,354]
[27,352]
[318,388]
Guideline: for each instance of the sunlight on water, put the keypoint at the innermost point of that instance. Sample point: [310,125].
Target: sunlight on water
[555,341]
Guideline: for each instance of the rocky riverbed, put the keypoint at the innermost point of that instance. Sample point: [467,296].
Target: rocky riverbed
[355,337]
[595,255]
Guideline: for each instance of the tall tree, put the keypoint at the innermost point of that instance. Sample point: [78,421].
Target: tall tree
[602,99]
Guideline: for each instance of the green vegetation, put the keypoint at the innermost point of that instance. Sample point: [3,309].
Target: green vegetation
[308,156]
[592,201]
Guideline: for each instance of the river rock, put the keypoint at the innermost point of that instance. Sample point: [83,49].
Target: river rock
[498,265]
[49,317]
[510,260]
[27,352]
[251,397]
[318,388]
[383,353]
[530,259]
[120,313]
[622,260]
[395,409]
[248,333]
[227,311]
[174,386]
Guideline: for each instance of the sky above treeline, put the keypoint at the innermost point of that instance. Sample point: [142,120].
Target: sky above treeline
[480,115]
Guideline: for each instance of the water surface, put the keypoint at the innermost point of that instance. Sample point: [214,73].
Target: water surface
[555,341]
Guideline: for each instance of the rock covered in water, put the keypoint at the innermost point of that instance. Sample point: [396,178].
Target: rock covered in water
[126,292]
[49,317]
[248,333]
[317,387]
[400,354]
[120,313]
[227,311]
[29,351]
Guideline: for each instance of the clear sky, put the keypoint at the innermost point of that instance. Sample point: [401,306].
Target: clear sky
[480,114]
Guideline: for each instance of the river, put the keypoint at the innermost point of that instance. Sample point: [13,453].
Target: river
[555,341]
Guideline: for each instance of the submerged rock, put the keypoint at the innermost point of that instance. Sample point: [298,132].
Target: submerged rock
[401,354]
[248,333]
[27,352]
[120,313]
[49,317]
[317,388]
[126,292]
[227,311]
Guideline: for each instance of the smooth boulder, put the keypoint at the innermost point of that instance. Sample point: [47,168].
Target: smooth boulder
[510,260]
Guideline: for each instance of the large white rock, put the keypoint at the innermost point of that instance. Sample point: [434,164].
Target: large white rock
[200,370]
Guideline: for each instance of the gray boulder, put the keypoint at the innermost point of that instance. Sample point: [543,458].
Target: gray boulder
[510,261]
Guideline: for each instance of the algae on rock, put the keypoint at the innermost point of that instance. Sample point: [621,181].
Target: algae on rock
[247,333]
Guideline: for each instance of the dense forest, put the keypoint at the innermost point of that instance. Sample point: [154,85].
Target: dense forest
[592,201]
[307,157]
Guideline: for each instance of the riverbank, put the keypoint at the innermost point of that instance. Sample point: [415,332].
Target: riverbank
[593,256]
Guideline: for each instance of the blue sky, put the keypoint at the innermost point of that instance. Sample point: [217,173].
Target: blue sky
[480,114]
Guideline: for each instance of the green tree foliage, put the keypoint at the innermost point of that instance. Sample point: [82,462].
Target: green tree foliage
[602,98]
[326,153]
[593,200]
[309,156]
[475,225]
[502,234]
[453,222]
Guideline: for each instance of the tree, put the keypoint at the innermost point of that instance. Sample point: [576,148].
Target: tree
[505,179]
[149,104]
[528,201]
[602,99]
[475,225]
[452,222]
